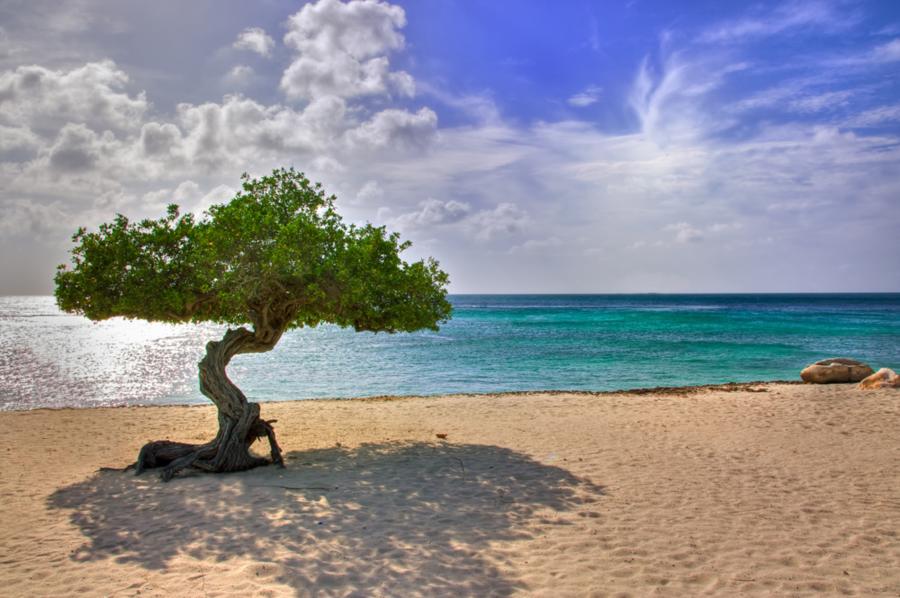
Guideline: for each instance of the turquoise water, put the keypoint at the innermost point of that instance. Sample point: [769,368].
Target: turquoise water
[493,343]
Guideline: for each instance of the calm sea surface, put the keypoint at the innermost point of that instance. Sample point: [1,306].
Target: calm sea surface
[493,343]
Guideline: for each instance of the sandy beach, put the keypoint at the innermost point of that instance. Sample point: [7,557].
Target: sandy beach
[766,489]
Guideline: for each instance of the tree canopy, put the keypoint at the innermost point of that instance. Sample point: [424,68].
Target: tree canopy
[277,256]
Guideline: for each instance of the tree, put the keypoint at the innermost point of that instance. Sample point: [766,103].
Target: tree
[276,257]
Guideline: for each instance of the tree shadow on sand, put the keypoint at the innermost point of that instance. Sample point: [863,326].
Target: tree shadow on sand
[391,518]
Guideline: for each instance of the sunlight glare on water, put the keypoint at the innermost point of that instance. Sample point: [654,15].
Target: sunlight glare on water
[52,359]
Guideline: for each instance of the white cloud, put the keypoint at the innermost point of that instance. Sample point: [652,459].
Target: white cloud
[94,95]
[255,39]
[185,194]
[669,103]
[17,139]
[160,140]
[188,195]
[218,195]
[725,227]
[369,193]
[685,233]
[589,96]
[820,102]
[889,52]
[883,54]
[480,107]
[342,50]
[891,30]
[875,117]
[806,14]
[503,220]
[432,212]
[395,128]
[803,95]
[26,218]
[537,246]
[75,150]
[241,130]
[240,75]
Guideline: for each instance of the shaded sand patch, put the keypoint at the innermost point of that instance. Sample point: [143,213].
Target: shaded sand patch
[764,490]
[396,518]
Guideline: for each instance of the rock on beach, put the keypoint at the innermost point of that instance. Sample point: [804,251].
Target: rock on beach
[883,378]
[835,370]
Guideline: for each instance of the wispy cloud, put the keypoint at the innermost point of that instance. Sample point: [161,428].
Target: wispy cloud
[589,96]
[889,52]
[874,117]
[829,100]
[882,54]
[798,15]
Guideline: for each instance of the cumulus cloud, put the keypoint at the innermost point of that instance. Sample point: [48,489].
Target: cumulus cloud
[159,140]
[396,128]
[342,50]
[239,129]
[93,95]
[217,195]
[76,149]
[433,212]
[189,195]
[186,193]
[19,140]
[255,39]
[503,220]
[26,218]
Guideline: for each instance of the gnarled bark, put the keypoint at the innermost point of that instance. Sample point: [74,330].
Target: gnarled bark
[239,421]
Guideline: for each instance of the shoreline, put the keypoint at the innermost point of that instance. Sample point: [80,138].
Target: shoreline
[651,390]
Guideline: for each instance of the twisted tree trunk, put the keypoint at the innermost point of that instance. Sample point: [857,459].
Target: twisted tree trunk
[239,421]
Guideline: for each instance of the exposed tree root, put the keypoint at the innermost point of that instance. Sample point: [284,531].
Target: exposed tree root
[239,422]
[221,455]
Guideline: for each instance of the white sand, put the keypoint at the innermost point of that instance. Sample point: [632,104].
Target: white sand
[791,491]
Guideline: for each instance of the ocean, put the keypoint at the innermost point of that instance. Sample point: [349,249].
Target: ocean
[494,343]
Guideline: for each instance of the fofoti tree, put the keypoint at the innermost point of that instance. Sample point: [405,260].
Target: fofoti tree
[276,257]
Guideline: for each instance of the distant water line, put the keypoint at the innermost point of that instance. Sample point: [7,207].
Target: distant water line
[494,343]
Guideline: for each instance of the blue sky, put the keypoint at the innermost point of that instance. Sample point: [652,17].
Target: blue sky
[530,146]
